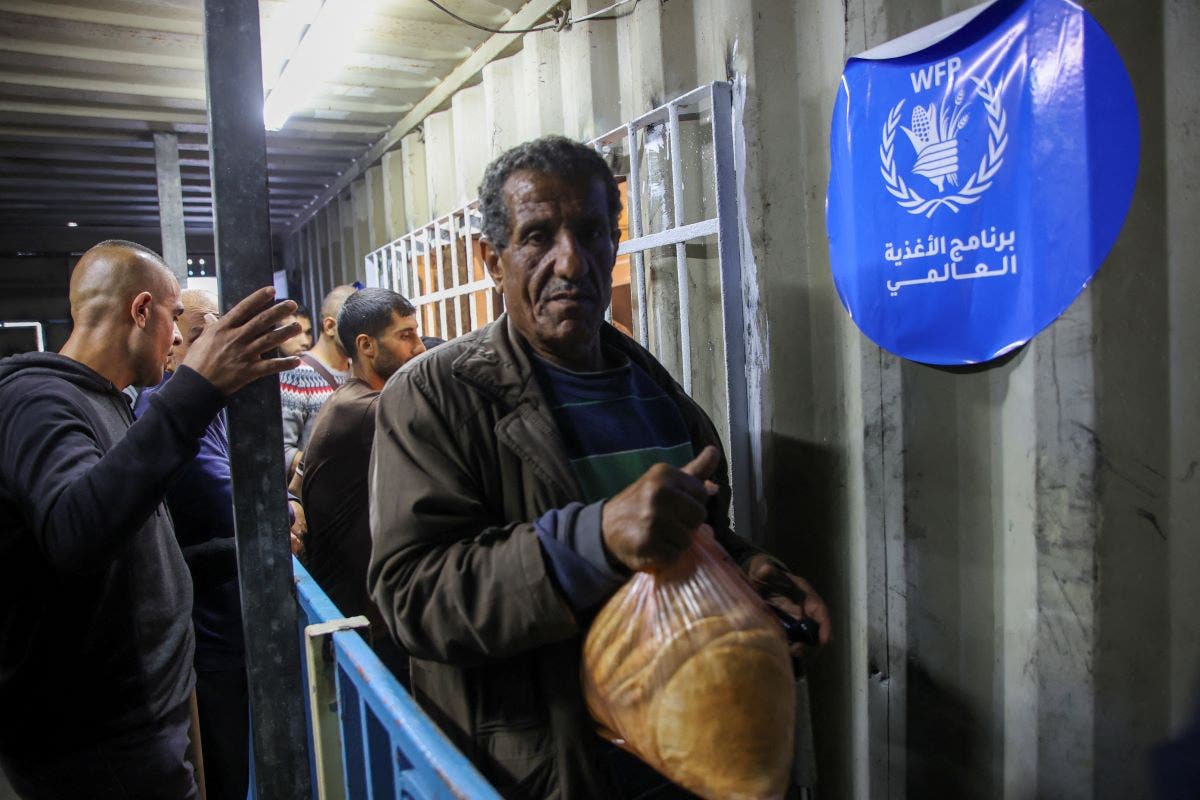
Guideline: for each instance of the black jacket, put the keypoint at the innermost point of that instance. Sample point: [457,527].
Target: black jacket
[95,600]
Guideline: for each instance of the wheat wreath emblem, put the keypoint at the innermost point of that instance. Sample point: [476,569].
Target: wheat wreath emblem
[908,197]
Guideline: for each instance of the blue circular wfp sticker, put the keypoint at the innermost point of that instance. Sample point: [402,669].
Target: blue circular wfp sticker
[981,170]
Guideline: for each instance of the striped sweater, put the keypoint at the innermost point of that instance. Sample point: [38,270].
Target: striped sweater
[302,392]
[615,425]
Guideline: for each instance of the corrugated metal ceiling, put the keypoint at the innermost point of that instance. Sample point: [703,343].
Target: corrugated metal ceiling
[85,83]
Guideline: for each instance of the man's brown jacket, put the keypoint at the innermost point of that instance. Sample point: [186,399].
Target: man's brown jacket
[466,458]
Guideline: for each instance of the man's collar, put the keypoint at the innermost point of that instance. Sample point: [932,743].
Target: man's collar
[498,364]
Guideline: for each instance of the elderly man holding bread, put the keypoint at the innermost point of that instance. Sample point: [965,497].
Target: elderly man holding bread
[522,472]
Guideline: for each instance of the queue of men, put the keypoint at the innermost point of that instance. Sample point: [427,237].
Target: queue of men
[478,503]
[378,327]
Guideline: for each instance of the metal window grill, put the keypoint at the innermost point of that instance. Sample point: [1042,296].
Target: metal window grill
[369,739]
[440,269]
[676,169]
[39,339]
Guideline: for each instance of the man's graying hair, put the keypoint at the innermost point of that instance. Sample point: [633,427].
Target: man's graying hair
[556,155]
[369,311]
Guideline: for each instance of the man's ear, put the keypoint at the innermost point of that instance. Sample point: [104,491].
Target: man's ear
[329,326]
[364,344]
[139,309]
[495,267]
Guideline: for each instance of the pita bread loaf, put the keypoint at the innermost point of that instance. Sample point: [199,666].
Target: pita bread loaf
[694,677]
[723,723]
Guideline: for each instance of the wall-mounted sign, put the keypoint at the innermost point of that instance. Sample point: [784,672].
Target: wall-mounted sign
[981,170]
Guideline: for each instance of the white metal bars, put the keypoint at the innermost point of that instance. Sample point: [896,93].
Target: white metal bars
[440,270]
[416,264]
[725,225]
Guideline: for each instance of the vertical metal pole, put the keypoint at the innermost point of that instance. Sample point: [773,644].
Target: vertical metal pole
[428,289]
[170,204]
[681,272]
[454,277]
[405,286]
[443,331]
[634,195]
[321,228]
[470,244]
[242,227]
[730,251]
[312,266]
[333,242]
[370,270]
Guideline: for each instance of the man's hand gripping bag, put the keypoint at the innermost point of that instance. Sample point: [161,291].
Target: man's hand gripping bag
[688,671]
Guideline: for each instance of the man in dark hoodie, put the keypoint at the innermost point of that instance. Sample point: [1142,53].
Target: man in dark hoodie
[96,638]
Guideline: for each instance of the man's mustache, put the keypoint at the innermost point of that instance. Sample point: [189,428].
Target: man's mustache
[560,288]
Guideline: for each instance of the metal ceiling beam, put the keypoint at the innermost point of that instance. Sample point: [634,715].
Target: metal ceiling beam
[120,45]
[111,137]
[353,77]
[67,196]
[142,114]
[355,105]
[33,185]
[196,176]
[277,164]
[99,137]
[108,85]
[529,15]
[181,19]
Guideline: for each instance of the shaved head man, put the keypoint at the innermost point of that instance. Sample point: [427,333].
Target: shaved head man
[124,302]
[331,306]
[95,597]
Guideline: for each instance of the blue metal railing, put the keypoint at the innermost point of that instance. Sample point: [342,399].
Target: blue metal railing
[387,747]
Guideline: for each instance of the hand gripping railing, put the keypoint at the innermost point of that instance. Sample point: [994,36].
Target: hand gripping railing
[368,738]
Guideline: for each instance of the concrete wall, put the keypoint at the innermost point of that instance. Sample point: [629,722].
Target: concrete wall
[1010,553]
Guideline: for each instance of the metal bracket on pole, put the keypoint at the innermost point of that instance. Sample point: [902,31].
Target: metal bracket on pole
[322,701]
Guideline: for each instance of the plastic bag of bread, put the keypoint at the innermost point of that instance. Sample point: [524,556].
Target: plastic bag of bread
[687,670]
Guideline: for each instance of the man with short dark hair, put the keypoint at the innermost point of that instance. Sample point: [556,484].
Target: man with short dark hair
[522,471]
[301,342]
[305,340]
[380,328]
[95,599]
